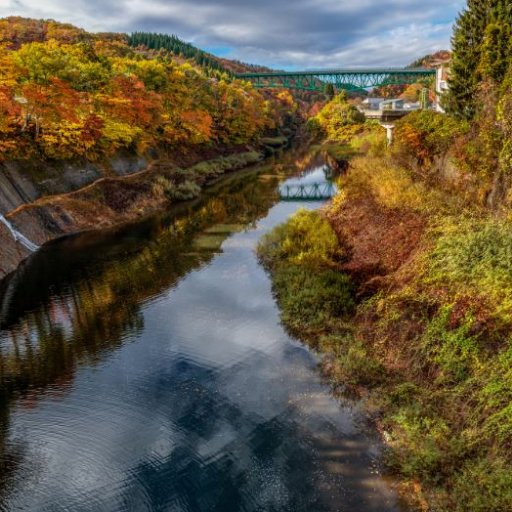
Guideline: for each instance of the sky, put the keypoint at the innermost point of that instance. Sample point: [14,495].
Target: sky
[284,34]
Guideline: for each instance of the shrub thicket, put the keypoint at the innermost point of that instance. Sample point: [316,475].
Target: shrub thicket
[338,120]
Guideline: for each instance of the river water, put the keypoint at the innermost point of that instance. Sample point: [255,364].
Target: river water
[146,369]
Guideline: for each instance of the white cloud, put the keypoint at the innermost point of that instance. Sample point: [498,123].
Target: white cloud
[305,33]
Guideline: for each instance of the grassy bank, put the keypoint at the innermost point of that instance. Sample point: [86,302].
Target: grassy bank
[316,297]
[406,287]
[183,184]
[304,256]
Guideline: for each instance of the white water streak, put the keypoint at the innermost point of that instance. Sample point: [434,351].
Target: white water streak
[23,240]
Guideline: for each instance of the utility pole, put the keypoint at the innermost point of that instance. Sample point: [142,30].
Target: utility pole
[424,98]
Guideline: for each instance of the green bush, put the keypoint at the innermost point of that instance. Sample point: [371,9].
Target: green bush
[302,255]
[185,184]
[483,485]
[419,444]
[274,142]
[184,191]
[357,367]
[173,191]
[494,398]
[454,351]
[212,169]
[310,298]
[305,239]
[338,120]
[476,256]
[424,135]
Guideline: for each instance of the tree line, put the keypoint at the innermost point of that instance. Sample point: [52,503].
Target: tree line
[481,93]
[175,45]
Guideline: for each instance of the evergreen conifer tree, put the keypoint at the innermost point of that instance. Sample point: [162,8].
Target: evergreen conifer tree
[465,74]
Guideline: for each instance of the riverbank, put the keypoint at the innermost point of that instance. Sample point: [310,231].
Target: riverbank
[113,200]
[412,311]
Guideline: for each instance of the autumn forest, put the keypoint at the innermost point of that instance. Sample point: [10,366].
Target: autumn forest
[65,93]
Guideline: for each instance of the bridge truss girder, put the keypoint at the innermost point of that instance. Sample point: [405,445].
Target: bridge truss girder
[352,80]
[309,192]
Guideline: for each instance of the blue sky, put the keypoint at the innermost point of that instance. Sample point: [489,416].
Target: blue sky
[288,34]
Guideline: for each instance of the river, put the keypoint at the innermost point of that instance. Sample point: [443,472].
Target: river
[146,369]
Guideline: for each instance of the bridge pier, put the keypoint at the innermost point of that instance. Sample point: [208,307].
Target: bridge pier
[389,132]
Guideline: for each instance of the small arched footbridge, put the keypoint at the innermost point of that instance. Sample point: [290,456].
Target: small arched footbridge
[346,79]
[307,192]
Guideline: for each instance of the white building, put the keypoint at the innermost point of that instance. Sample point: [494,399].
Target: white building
[392,104]
[443,71]
[372,103]
[409,105]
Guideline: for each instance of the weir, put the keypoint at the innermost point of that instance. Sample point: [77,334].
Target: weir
[19,237]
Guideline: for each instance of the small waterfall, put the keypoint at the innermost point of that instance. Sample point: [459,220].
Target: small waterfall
[23,240]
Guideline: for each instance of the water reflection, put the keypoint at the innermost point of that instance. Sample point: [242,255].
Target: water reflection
[147,370]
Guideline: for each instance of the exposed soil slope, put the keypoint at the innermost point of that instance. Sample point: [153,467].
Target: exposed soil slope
[378,240]
[112,201]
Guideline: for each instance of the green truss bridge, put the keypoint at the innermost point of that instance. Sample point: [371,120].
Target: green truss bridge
[347,79]
[309,192]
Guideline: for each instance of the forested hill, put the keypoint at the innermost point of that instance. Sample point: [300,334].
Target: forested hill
[175,45]
[16,31]
[65,92]
[431,60]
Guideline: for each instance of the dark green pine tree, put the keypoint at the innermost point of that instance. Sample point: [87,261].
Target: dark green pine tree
[329,91]
[466,73]
[175,45]
[496,44]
